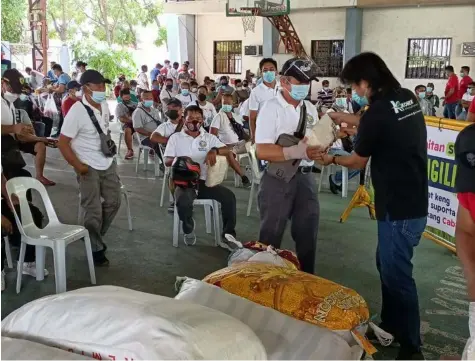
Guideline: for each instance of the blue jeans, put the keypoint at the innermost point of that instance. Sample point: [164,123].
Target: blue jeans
[400,304]
[337,178]
[449,111]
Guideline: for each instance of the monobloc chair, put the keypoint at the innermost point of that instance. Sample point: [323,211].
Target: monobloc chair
[211,206]
[55,235]
[344,183]
[256,177]
[166,177]
[8,252]
[237,178]
[143,149]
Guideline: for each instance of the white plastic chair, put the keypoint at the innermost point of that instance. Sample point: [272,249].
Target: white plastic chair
[344,183]
[121,136]
[143,149]
[166,177]
[237,178]
[256,177]
[210,206]
[55,235]
[127,204]
[8,252]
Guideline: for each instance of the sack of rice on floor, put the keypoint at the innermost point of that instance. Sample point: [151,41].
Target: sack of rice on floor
[290,257]
[300,295]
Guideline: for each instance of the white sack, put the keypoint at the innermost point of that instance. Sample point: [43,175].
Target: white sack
[118,323]
[269,256]
[217,173]
[240,255]
[284,337]
[17,349]
[323,133]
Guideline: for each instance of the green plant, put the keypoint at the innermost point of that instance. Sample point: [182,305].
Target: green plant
[13,16]
[109,62]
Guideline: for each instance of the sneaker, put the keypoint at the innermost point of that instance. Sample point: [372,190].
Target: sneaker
[3,280]
[230,243]
[171,207]
[246,183]
[100,259]
[190,238]
[129,154]
[371,336]
[29,268]
[334,188]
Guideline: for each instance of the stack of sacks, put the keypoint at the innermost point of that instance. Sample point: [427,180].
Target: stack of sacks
[18,349]
[217,173]
[301,295]
[115,323]
[283,337]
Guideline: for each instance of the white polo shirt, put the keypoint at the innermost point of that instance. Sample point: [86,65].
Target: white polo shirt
[209,112]
[183,145]
[186,99]
[166,129]
[259,95]
[244,109]
[226,133]
[85,141]
[279,117]
[166,94]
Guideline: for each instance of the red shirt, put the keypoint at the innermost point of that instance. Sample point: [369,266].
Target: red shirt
[452,83]
[164,71]
[467,201]
[67,104]
[472,106]
[156,95]
[464,85]
[117,90]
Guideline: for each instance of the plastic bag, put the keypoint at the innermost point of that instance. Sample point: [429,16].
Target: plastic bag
[115,323]
[217,173]
[240,255]
[50,108]
[270,256]
[323,133]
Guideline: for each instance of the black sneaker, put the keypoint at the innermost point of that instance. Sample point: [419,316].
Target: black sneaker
[334,188]
[100,260]
[409,355]
[245,181]
[171,207]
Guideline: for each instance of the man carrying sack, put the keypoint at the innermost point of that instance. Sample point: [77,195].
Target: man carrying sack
[288,186]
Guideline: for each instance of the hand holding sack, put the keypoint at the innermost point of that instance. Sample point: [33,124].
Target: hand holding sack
[217,173]
[324,133]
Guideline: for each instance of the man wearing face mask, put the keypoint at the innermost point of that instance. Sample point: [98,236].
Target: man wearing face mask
[432,97]
[123,113]
[209,111]
[325,95]
[185,96]
[80,144]
[240,94]
[194,87]
[74,95]
[295,197]
[264,91]
[426,106]
[465,81]
[167,94]
[202,148]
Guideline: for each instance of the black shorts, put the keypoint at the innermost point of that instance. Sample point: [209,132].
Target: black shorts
[28,148]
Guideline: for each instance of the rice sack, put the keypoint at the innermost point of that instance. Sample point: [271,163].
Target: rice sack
[217,173]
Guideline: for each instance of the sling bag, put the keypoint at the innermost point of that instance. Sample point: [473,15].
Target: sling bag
[108,147]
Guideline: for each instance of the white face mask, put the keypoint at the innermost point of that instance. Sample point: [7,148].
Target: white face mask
[239,88]
[10,96]
[78,93]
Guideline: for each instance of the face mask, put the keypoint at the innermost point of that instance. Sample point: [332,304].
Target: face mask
[169,86]
[269,76]
[224,83]
[326,88]
[245,85]
[193,126]
[239,88]
[148,103]
[227,108]
[194,90]
[462,74]
[422,95]
[98,97]
[299,92]
[185,92]
[361,101]
[341,102]
[172,114]
[23,97]
[201,97]
[10,96]
[132,92]
[429,89]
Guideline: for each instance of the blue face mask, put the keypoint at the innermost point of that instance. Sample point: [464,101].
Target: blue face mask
[148,103]
[361,101]
[24,97]
[268,76]
[422,95]
[98,97]
[185,92]
[156,87]
[227,108]
[429,89]
[341,102]
[299,92]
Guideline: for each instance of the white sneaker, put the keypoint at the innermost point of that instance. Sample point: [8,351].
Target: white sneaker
[3,280]
[230,243]
[29,268]
[190,238]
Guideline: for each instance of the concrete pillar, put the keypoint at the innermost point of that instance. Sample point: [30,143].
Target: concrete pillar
[270,38]
[181,38]
[353,29]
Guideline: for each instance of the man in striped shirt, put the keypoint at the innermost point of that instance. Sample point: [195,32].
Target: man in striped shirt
[325,95]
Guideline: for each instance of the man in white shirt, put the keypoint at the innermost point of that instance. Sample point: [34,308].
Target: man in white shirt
[264,91]
[146,119]
[228,127]
[185,96]
[209,111]
[287,192]
[244,113]
[467,98]
[167,94]
[80,145]
[36,78]
[142,80]
[173,74]
[194,142]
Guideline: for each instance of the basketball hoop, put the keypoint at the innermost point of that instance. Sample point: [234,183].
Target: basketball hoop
[249,19]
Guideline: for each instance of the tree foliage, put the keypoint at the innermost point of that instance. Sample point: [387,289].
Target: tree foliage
[108,61]
[64,18]
[14,13]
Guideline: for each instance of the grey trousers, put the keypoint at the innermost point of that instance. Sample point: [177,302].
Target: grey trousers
[100,199]
[297,201]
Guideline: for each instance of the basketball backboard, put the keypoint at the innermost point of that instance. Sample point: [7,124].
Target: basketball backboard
[266,8]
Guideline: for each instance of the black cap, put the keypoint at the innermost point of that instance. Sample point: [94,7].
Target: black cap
[94,77]
[302,69]
[81,63]
[465,160]
[15,79]
[175,101]
[73,84]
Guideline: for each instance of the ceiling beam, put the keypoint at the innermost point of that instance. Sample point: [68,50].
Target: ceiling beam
[388,3]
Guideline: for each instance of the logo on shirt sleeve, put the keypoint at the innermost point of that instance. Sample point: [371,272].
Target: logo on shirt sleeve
[310,121]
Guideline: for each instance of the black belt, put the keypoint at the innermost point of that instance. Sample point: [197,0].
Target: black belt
[306,170]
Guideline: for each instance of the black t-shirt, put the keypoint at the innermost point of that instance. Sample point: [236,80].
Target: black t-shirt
[393,133]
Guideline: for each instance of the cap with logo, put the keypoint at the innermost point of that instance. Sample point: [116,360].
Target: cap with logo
[15,79]
[465,160]
[73,84]
[93,77]
[302,69]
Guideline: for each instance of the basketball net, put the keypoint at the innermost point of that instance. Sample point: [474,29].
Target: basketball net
[249,20]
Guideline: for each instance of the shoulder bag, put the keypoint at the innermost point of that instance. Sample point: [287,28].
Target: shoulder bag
[150,115]
[108,147]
